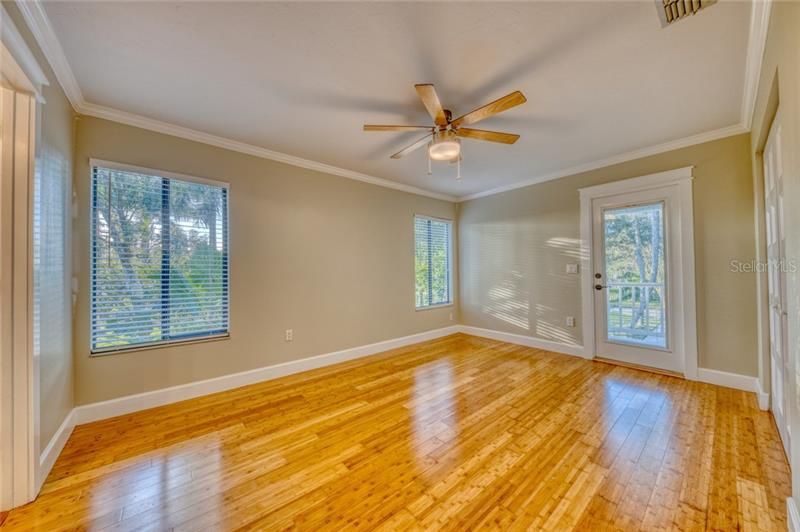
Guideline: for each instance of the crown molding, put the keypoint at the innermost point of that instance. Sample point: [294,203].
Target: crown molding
[42,30]
[708,136]
[45,36]
[756,43]
[131,119]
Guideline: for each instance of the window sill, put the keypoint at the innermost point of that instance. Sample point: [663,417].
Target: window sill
[434,307]
[160,345]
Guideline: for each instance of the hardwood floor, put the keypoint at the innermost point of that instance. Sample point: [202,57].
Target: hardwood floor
[456,433]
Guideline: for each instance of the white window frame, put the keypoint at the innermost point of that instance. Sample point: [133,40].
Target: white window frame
[451,257]
[166,175]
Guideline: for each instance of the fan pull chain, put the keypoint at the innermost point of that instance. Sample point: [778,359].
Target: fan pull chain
[429,165]
[458,169]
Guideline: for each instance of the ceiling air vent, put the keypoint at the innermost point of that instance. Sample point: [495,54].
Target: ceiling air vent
[671,11]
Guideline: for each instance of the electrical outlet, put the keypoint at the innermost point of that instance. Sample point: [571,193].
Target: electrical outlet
[570,321]
[572,268]
[289,335]
[451,316]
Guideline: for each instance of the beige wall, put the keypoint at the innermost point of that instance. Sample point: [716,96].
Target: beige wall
[779,87]
[514,248]
[329,257]
[54,178]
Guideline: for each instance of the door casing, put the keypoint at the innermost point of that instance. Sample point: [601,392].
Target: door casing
[21,80]
[679,182]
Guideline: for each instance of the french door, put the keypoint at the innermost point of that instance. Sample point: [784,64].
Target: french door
[776,279]
[635,262]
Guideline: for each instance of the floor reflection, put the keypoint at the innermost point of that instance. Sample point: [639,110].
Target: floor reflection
[459,433]
[433,410]
[157,484]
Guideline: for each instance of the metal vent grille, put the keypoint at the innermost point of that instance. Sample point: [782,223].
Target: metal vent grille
[674,10]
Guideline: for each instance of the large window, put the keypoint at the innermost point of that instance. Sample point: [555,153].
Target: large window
[432,253]
[159,263]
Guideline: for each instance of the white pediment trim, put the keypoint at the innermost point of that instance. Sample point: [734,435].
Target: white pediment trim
[18,65]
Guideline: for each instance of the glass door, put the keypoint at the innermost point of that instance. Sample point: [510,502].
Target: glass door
[631,279]
[634,275]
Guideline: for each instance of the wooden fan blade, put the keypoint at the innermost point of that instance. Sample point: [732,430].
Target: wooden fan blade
[491,136]
[370,127]
[431,101]
[498,106]
[417,145]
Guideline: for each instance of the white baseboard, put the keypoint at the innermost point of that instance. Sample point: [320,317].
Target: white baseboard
[793,522]
[54,448]
[729,380]
[132,403]
[711,376]
[763,397]
[528,341]
[142,401]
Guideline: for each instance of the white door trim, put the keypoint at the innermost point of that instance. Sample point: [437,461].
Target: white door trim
[21,80]
[20,69]
[20,372]
[681,178]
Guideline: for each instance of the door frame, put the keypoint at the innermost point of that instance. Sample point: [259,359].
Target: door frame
[22,80]
[681,180]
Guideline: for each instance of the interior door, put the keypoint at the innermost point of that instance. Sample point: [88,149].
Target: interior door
[776,278]
[633,273]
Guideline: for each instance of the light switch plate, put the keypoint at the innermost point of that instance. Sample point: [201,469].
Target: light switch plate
[572,268]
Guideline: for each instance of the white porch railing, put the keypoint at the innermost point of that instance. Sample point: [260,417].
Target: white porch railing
[635,313]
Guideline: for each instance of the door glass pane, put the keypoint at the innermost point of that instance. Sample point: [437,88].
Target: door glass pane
[634,274]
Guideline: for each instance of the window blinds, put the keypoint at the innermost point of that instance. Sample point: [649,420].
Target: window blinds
[433,261]
[159,263]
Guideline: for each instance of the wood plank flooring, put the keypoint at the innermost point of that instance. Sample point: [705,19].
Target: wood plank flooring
[457,433]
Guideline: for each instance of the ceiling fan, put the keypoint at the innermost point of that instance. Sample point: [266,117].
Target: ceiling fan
[442,138]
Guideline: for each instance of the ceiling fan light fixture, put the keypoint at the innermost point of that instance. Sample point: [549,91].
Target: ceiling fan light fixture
[443,138]
[444,146]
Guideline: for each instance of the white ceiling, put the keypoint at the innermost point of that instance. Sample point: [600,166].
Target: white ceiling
[601,78]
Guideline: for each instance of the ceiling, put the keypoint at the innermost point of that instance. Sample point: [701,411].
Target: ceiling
[601,78]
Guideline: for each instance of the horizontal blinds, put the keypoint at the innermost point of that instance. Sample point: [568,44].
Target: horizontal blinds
[159,259]
[432,261]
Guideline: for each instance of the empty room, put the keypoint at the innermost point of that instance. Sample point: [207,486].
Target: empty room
[400,265]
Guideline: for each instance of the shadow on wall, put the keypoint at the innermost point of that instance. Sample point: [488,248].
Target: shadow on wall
[505,302]
[516,279]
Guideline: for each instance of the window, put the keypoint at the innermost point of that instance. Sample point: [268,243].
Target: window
[432,253]
[159,263]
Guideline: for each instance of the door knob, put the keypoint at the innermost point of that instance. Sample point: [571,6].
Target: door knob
[597,276]
[598,287]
